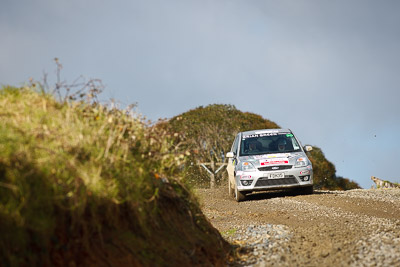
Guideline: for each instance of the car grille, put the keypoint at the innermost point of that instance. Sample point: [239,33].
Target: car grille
[279,167]
[284,181]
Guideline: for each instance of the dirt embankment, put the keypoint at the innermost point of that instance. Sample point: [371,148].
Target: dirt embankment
[328,228]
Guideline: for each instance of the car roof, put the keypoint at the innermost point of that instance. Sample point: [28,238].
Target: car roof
[266,131]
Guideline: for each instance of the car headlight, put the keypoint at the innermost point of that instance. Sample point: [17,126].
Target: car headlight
[301,162]
[247,166]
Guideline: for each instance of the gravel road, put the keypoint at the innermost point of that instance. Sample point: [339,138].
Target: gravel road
[329,228]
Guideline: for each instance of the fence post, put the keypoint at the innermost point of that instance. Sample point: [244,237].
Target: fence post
[212,174]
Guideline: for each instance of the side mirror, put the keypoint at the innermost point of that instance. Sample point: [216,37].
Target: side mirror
[230,155]
[308,148]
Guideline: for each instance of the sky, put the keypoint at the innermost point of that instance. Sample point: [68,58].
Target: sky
[328,70]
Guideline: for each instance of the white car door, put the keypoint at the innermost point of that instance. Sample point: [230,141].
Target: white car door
[232,161]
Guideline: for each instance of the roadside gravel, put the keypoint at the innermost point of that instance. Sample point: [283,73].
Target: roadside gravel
[328,228]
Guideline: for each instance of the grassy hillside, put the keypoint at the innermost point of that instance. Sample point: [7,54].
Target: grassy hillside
[84,184]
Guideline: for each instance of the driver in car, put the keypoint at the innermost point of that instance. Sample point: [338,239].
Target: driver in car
[255,146]
[282,144]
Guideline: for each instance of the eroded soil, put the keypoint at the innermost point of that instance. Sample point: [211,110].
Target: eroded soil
[328,228]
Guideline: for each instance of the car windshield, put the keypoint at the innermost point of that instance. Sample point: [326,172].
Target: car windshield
[267,143]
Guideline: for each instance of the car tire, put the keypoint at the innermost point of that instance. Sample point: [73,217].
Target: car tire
[238,195]
[308,190]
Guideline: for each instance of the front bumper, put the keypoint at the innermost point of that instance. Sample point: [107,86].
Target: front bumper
[259,180]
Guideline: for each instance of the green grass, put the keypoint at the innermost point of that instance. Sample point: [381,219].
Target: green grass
[77,177]
[229,232]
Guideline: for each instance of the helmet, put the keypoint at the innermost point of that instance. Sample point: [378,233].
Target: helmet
[282,144]
[252,144]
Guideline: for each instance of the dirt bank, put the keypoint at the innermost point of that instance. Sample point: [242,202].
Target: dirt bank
[328,228]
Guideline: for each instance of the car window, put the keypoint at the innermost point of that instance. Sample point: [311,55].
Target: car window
[296,145]
[267,143]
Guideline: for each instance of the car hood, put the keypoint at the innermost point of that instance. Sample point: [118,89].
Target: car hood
[265,160]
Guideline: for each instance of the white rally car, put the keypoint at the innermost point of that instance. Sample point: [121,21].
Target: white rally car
[268,159]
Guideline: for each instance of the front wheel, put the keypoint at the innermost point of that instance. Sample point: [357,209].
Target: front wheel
[308,190]
[238,195]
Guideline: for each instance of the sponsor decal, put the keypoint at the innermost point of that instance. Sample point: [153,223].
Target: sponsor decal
[268,134]
[258,135]
[250,136]
[278,155]
[274,162]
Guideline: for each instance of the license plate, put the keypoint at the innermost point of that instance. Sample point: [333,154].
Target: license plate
[277,175]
